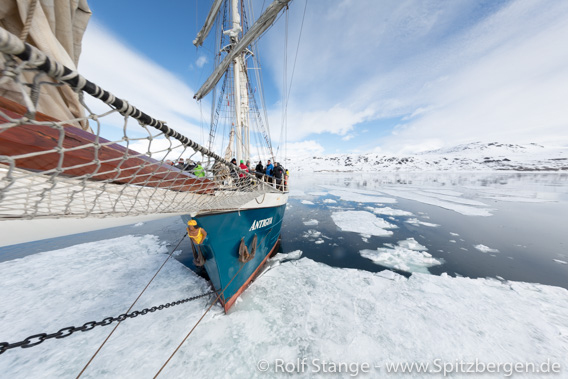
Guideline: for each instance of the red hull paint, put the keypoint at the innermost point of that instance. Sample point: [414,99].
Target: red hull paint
[229,303]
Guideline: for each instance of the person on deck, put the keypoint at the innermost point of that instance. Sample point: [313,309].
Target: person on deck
[269,168]
[278,175]
[259,169]
[243,180]
[180,164]
[190,165]
[198,170]
[243,166]
[234,174]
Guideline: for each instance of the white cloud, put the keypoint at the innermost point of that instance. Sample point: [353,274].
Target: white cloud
[129,75]
[304,149]
[201,61]
[454,72]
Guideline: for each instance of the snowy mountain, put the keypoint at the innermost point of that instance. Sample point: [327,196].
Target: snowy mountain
[474,156]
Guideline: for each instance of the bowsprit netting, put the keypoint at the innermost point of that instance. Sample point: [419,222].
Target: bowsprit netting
[53,167]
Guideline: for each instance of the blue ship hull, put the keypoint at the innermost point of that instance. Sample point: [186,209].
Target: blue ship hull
[221,246]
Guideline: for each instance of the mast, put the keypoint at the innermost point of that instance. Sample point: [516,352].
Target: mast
[240,89]
[235,60]
[237,64]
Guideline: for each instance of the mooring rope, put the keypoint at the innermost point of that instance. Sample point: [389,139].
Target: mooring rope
[135,301]
[198,321]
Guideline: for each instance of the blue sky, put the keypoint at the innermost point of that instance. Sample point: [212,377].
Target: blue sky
[371,76]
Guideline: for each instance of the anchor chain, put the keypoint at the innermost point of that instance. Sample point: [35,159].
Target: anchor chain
[36,339]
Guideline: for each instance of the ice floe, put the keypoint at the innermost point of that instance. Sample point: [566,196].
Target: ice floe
[360,198]
[411,244]
[457,204]
[329,201]
[317,193]
[312,233]
[485,249]
[408,256]
[307,202]
[299,309]
[415,221]
[311,222]
[362,222]
[387,211]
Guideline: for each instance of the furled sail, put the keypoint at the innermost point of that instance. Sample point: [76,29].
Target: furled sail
[204,32]
[57,30]
[263,22]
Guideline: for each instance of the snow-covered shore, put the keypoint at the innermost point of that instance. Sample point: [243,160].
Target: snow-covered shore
[468,157]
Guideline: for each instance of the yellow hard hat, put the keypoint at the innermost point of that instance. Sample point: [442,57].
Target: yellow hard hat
[192,222]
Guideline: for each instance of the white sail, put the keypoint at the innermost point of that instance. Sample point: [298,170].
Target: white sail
[263,22]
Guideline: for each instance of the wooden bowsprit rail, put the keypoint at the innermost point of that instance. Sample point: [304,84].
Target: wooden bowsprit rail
[68,151]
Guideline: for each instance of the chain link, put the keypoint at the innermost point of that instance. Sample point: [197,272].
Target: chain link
[37,339]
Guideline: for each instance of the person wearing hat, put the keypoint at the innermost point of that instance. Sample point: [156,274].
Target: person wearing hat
[234,169]
[197,234]
[243,166]
[180,164]
[259,170]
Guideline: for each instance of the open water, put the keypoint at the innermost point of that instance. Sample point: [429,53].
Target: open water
[499,225]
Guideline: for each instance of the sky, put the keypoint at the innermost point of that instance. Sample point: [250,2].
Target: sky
[390,77]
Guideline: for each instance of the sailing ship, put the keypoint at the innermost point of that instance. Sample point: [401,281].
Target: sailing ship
[55,161]
[239,241]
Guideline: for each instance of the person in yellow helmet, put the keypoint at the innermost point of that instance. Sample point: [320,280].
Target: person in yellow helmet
[197,234]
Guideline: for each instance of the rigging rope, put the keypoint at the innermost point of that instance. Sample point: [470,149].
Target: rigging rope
[198,321]
[210,306]
[289,88]
[29,18]
[135,301]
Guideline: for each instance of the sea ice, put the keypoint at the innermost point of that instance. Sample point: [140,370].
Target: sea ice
[362,222]
[317,193]
[415,221]
[312,234]
[408,256]
[411,244]
[485,249]
[347,195]
[280,257]
[299,309]
[296,193]
[454,203]
[329,201]
[387,211]
[311,222]
[307,202]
